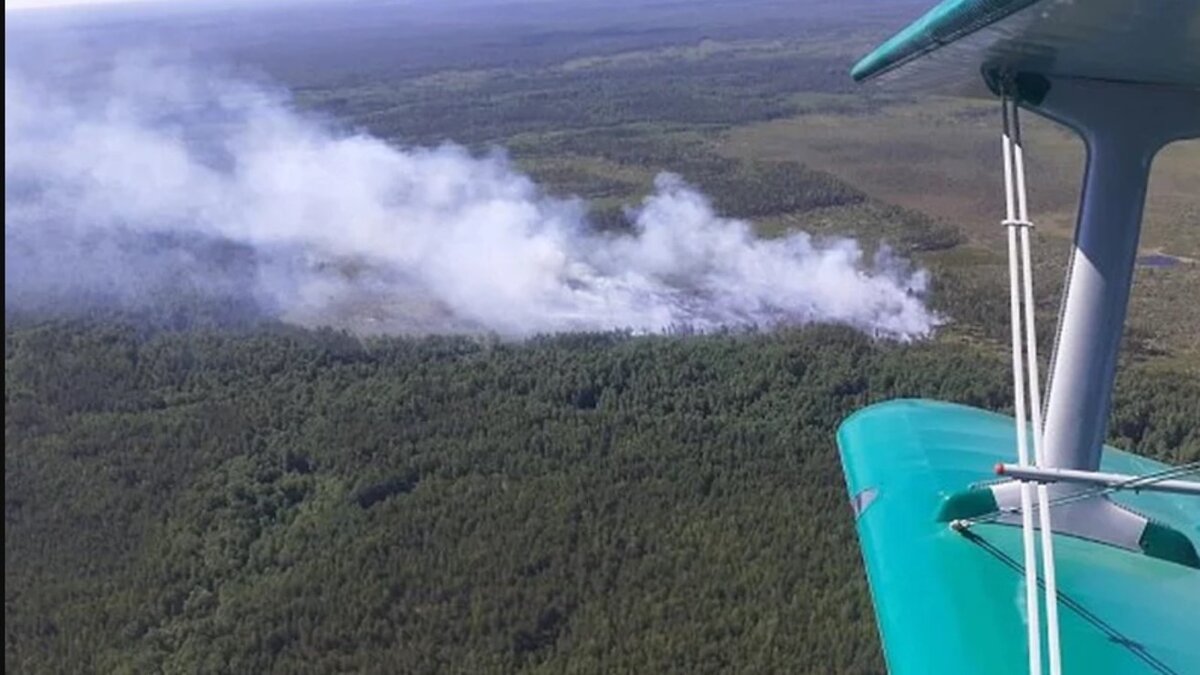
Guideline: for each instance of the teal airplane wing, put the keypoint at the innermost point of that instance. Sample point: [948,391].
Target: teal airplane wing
[949,603]
[1146,41]
[953,601]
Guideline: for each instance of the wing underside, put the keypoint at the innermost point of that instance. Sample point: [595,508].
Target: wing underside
[1144,41]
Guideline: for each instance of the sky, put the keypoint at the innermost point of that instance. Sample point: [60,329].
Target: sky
[10,5]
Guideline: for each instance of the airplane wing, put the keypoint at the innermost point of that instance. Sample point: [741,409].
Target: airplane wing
[1127,73]
[1147,41]
[949,604]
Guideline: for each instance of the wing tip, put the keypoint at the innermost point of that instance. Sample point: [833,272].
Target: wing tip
[862,70]
[943,24]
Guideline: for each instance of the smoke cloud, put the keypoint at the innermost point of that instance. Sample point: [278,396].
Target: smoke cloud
[155,179]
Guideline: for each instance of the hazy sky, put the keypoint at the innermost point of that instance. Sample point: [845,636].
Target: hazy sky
[36,4]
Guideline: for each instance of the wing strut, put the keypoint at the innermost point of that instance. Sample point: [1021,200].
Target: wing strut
[1020,268]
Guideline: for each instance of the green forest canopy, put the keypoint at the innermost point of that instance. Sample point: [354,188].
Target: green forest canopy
[282,500]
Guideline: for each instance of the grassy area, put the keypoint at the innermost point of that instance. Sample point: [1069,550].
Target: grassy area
[939,156]
[735,116]
[927,166]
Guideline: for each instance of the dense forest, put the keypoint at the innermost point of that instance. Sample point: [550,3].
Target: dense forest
[269,499]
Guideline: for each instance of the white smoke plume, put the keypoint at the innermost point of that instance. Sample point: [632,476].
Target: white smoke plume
[154,175]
